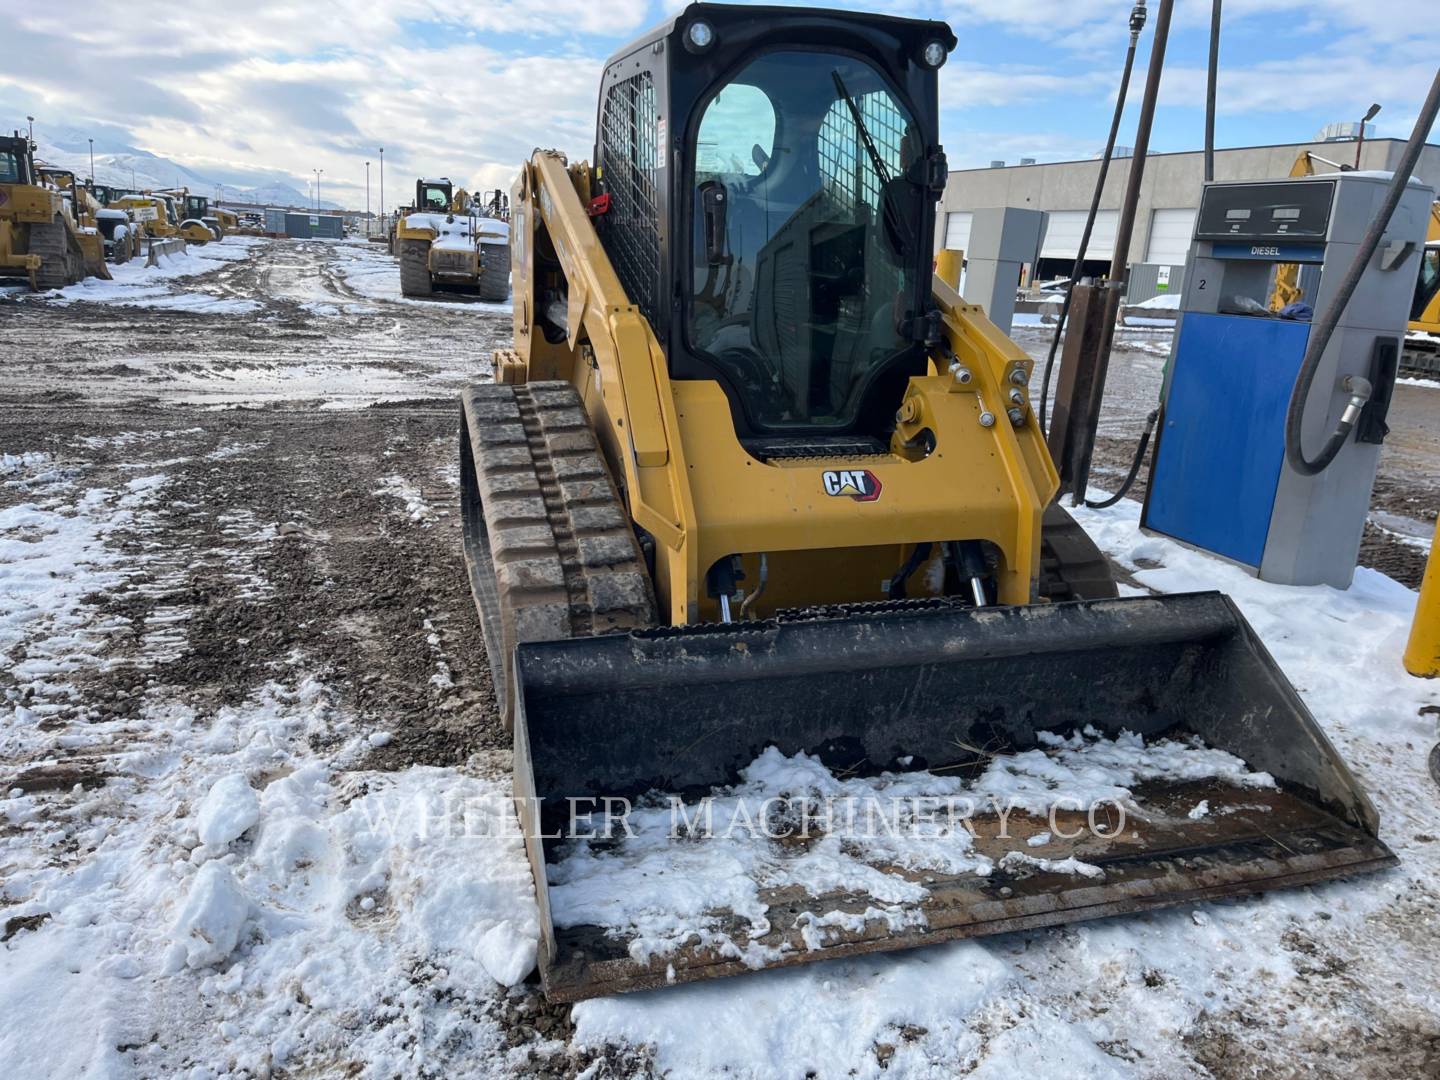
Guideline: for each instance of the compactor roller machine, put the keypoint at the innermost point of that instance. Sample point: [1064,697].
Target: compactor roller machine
[752,477]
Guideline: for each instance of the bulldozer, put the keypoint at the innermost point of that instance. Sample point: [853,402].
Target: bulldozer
[753,479]
[84,210]
[450,240]
[40,237]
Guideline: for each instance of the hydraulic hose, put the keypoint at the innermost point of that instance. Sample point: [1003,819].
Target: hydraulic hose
[1137,23]
[1324,327]
[1140,448]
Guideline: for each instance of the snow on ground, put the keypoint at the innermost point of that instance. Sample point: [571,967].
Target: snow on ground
[136,285]
[369,270]
[196,890]
[1163,302]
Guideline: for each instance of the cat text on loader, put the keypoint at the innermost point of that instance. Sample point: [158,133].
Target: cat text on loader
[752,478]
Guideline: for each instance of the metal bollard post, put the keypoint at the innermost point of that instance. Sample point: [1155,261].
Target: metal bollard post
[1422,655]
[948,262]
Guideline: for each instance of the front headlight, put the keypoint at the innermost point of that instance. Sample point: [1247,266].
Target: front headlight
[699,36]
[935,54]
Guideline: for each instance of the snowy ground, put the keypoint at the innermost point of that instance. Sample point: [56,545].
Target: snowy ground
[254,815]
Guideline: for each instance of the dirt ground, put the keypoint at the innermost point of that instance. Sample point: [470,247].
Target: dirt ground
[322,419]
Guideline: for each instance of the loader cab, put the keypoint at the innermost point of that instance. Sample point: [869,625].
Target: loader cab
[17,166]
[197,206]
[433,196]
[772,177]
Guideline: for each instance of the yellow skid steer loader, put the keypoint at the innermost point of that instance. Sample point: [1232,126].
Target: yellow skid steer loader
[753,486]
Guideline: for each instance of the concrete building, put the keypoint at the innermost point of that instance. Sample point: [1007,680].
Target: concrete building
[1169,198]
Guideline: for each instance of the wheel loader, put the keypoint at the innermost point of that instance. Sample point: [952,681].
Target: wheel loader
[40,238]
[449,240]
[195,208]
[752,480]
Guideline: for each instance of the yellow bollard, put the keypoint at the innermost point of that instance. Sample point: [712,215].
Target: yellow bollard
[948,262]
[1422,656]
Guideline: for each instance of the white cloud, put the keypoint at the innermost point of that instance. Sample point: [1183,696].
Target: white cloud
[298,87]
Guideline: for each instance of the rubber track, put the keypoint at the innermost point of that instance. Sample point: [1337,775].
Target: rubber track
[547,540]
[1071,566]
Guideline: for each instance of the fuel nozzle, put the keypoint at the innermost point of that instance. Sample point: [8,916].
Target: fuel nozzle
[1359,389]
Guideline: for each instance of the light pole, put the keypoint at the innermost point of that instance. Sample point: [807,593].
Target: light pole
[31,120]
[1360,140]
[317,187]
[367,198]
[92,162]
[382,187]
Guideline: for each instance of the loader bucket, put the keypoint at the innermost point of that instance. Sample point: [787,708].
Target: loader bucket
[907,694]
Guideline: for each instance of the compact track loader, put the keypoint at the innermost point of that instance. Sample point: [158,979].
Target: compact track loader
[752,477]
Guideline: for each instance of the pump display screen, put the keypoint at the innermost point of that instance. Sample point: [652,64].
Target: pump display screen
[1289,211]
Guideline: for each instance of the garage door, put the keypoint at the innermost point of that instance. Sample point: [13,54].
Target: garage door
[1170,237]
[1064,228]
[957,231]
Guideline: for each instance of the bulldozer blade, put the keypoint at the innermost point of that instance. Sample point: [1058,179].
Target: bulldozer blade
[925,685]
[156,248]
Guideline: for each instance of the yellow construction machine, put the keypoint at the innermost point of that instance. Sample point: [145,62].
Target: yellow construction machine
[84,208]
[195,208]
[450,240]
[1422,344]
[160,218]
[40,238]
[1286,290]
[753,480]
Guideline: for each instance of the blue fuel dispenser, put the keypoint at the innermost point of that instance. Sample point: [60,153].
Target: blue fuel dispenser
[1219,479]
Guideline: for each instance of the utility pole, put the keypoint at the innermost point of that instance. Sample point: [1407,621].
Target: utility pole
[382,185]
[92,162]
[367,198]
[317,187]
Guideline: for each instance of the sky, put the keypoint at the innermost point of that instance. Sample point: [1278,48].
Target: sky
[264,91]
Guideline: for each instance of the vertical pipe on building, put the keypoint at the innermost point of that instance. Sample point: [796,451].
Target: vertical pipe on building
[1210,79]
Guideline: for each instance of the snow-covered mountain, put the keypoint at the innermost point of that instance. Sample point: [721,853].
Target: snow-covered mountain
[120,165]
